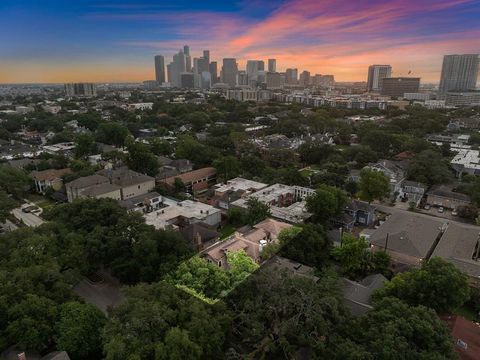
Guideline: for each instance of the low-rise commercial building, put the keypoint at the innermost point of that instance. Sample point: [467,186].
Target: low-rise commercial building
[176,214]
[118,184]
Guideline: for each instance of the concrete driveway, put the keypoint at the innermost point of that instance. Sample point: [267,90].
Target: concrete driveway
[28,219]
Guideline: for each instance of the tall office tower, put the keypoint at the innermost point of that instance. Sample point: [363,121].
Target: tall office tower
[188,58]
[160,69]
[261,77]
[327,80]
[206,56]
[186,80]
[205,80]
[274,80]
[213,71]
[459,73]
[242,78]
[291,76]
[229,71]
[200,65]
[81,89]
[376,74]
[253,69]
[316,80]
[177,67]
[272,65]
[305,78]
[170,73]
[398,86]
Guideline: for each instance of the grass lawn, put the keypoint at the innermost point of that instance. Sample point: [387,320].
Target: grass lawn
[226,231]
[467,313]
[41,201]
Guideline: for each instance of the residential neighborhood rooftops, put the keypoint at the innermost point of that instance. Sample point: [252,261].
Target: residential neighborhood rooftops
[458,245]
[240,184]
[87,181]
[50,174]
[408,234]
[100,189]
[357,294]
[124,176]
[193,175]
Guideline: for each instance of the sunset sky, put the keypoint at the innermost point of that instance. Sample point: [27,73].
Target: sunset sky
[106,41]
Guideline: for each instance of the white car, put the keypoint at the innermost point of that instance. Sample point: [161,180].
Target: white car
[440,209]
[454,212]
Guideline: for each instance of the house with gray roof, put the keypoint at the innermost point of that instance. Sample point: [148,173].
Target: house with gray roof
[408,238]
[356,295]
[460,245]
[118,184]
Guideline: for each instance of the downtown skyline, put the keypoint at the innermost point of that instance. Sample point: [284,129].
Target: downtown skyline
[115,42]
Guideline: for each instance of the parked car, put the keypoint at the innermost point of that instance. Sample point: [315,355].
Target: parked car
[454,212]
[427,207]
[440,209]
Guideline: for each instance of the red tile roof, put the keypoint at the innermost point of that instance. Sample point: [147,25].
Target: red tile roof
[466,336]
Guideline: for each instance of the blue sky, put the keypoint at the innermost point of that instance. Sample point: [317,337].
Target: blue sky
[55,41]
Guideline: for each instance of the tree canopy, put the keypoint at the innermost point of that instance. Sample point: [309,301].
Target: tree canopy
[438,284]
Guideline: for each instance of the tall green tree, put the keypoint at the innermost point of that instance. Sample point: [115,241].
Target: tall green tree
[357,260]
[138,327]
[84,145]
[256,211]
[374,185]
[430,168]
[140,158]
[79,330]
[438,284]
[13,181]
[112,133]
[227,167]
[31,323]
[309,246]
[6,205]
[406,333]
[327,202]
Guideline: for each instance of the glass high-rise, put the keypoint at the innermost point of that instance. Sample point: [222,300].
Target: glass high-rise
[160,69]
[376,74]
[459,73]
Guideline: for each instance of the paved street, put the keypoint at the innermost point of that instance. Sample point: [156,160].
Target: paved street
[392,210]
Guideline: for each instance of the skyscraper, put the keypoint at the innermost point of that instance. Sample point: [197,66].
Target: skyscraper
[272,65]
[160,69]
[188,58]
[206,56]
[274,80]
[213,71]
[459,73]
[253,68]
[376,74]
[291,76]
[81,89]
[242,78]
[176,67]
[305,78]
[229,71]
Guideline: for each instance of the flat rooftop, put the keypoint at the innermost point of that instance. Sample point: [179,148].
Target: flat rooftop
[240,184]
[468,158]
[187,208]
